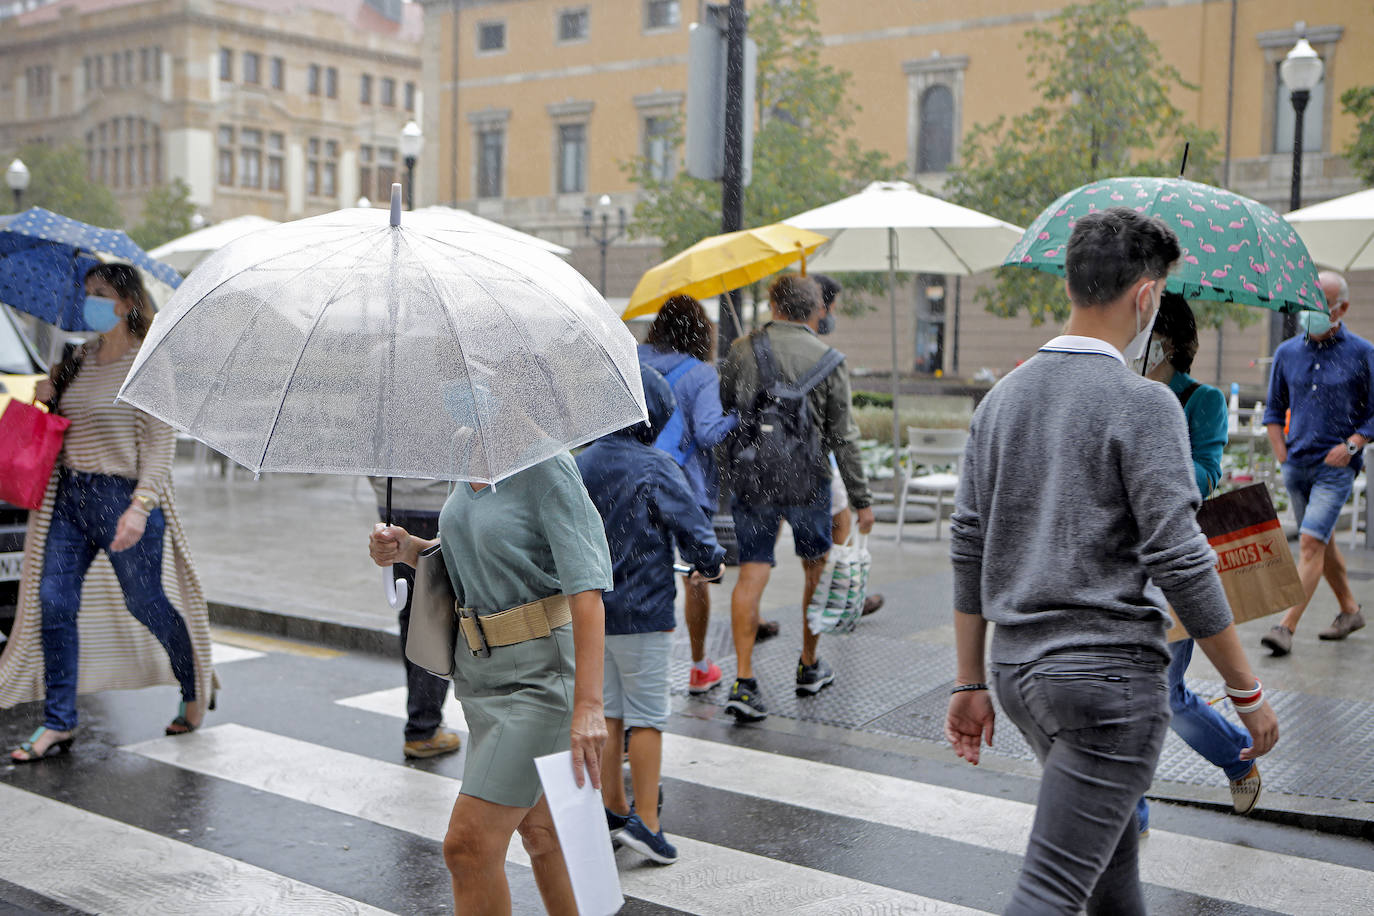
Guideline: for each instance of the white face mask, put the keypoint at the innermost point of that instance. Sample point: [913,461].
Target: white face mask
[1136,349]
[1155,357]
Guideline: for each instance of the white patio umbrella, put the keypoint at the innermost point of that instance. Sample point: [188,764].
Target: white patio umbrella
[347,344]
[891,226]
[184,253]
[1339,233]
[482,224]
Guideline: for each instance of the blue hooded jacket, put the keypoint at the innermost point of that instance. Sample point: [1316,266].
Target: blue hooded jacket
[697,393]
[647,507]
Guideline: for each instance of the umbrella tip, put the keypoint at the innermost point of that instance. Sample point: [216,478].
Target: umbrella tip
[396,203]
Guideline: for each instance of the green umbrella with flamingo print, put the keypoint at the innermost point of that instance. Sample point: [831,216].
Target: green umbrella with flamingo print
[1234,249]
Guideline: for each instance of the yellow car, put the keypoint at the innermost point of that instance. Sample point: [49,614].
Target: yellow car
[20,369]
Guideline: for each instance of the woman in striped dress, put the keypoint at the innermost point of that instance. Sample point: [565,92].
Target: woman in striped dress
[111,492]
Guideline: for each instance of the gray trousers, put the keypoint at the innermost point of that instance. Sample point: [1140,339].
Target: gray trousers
[1096,722]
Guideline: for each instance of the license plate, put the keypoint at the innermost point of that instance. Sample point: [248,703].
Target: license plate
[9,566]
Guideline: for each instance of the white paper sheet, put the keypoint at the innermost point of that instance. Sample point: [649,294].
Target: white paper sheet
[581,823]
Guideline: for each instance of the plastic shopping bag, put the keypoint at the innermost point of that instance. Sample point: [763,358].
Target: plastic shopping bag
[838,602]
[30,440]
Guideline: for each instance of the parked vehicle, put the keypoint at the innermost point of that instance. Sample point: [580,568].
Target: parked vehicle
[20,369]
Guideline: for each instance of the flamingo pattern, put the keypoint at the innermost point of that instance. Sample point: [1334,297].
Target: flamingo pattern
[1276,271]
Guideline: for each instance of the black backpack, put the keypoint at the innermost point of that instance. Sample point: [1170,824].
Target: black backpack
[775,455]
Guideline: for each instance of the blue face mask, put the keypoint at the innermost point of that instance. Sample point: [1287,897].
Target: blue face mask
[826,324]
[1314,324]
[99,314]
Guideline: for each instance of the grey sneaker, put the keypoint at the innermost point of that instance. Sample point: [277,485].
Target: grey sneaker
[1245,791]
[745,703]
[1279,640]
[1343,626]
[813,679]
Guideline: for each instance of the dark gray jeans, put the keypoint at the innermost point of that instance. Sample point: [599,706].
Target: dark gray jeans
[1096,720]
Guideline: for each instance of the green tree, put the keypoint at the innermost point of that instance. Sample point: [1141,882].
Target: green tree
[803,157]
[59,183]
[167,213]
[1359,101]
[1105,109]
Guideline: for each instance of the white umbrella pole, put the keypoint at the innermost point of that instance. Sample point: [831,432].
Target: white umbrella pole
[892,298]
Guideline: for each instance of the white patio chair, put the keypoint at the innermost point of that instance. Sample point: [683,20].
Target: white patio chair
[930,449]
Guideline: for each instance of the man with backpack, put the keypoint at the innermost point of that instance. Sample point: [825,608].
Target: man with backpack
[792,395]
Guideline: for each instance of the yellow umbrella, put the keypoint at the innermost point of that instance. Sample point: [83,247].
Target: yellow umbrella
[721,263]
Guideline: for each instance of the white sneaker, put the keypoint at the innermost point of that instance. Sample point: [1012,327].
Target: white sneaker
[1245,791]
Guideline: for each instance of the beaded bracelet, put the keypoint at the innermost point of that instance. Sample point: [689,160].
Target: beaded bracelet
[963,687]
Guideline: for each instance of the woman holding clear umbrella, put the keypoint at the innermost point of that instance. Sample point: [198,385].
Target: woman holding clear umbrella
[532,544]
[111,493]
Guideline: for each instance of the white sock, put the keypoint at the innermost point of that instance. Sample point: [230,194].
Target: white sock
[703,666]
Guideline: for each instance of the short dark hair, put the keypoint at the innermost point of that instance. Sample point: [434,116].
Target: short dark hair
[1111,249]
[795,296]
[1177,325]
[830,288]
[682,327]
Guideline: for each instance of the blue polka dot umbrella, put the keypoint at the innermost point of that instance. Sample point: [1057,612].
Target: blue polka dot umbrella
[44,257]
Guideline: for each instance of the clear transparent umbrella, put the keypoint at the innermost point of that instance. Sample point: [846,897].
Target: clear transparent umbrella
[342,344]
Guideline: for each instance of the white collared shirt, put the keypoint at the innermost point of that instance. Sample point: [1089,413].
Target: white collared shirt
[1074,343]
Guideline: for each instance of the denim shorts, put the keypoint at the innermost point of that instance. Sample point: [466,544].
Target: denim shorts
[636,688]
[756,529]
[1319,491]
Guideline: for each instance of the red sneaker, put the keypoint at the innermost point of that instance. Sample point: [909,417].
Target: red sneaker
[702,681]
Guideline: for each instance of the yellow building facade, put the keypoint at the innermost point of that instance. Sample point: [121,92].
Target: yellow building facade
[536,105]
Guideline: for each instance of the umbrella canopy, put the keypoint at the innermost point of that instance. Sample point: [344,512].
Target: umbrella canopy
[44,257]
[184,253]
[1340,232]
[341,344]
[1234,249]
[930,235]
[482,224]
[720,264]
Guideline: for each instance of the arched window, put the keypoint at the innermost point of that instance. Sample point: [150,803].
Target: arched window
[935,146]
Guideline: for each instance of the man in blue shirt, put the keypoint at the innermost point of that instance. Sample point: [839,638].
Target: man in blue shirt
[1326,379]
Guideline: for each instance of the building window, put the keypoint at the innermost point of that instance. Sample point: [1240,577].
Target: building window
[225,169]
[312,79]
[659,148]
[410,96]
[388,92]
[128,68]
[39,80]
[251,68]
[935,145]
[144,71]
[1285,117]
[574,25]
[491,153]
[386,171]
[250,158]
[365,89]
[226,64]
[312,167]
[278,73]
[365,171]
[276,161]
[329,173]
[572,158]
[87,74]
[331,82]
[491,36]
[662,14]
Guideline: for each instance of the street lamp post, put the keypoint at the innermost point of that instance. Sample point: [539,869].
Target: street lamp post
[17,177]
[605,236]
[412,141]
[1300,71]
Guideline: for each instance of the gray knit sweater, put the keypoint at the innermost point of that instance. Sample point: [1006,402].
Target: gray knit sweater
[1076,507]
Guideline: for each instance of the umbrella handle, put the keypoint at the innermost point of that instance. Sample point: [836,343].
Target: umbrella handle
[397,590]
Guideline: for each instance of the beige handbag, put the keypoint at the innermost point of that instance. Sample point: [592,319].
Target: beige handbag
[433,632]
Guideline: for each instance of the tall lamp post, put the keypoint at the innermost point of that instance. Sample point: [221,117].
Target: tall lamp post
[17,177]
[605,236]
[412,141]
[1300,71]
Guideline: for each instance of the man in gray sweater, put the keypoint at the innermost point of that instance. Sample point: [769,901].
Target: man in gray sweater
[1074,522]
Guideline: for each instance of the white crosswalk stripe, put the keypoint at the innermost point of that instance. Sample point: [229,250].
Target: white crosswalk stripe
[99,865]
[1196,865]
[225,654]
[707,879]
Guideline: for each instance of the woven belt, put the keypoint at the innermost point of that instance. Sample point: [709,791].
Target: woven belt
[513,626]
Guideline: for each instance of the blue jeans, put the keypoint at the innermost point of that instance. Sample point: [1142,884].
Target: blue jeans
[87,508]
[1096,720]
[1205,730]
[1318,491]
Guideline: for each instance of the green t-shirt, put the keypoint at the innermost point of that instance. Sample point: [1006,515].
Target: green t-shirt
[528,537]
